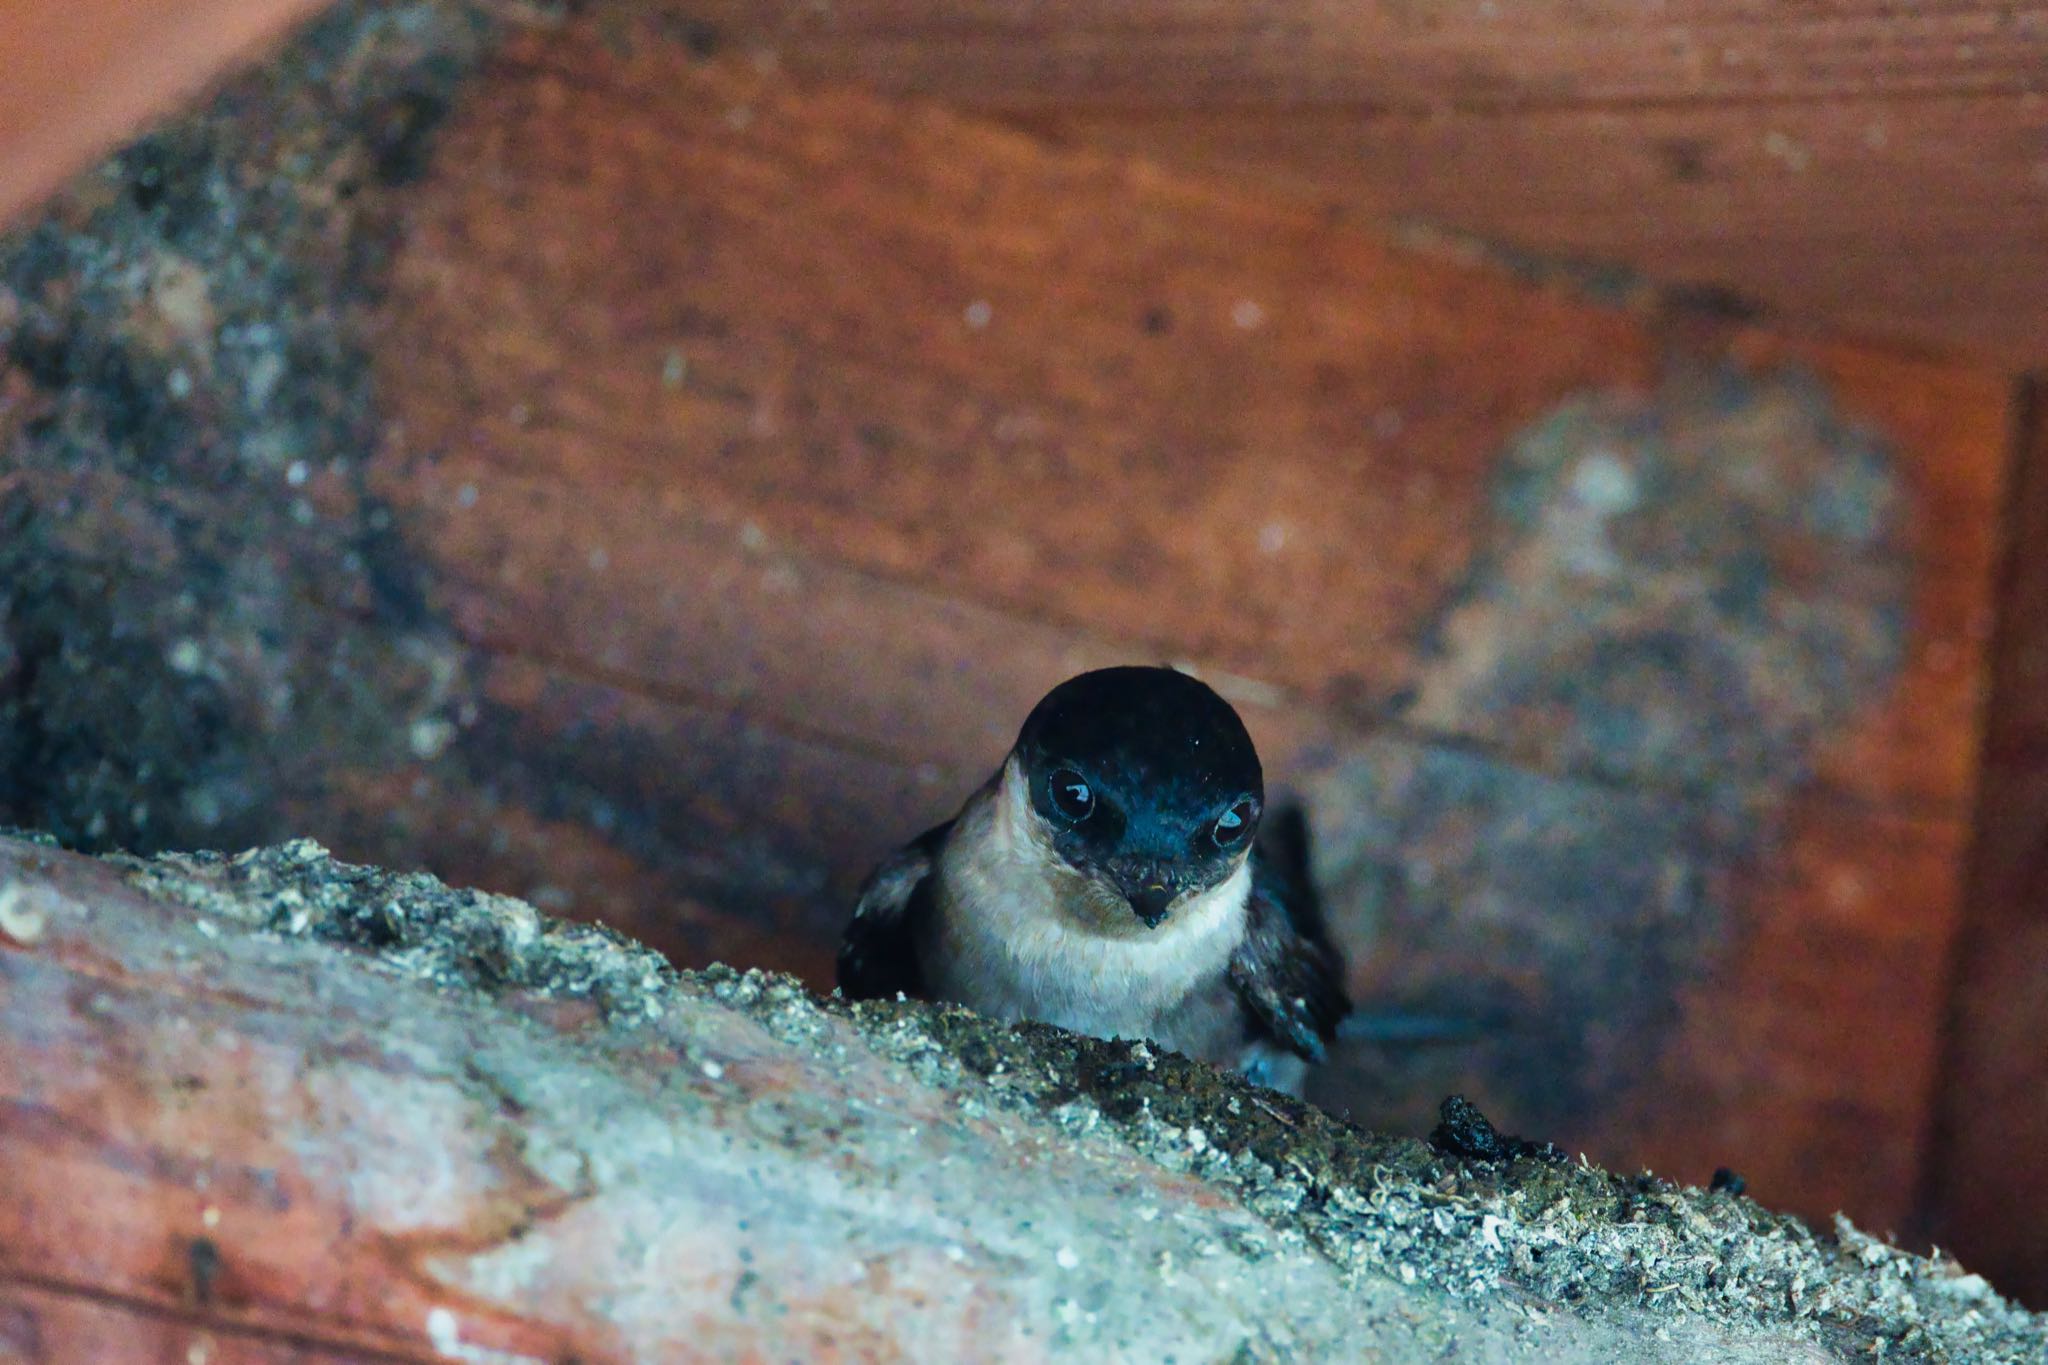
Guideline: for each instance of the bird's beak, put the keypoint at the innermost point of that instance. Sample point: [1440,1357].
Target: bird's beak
[1149,895]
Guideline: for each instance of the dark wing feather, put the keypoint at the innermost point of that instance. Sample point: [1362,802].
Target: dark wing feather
[1286,972]
[878,954]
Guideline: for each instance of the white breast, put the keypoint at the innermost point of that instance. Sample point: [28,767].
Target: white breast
[1021,935]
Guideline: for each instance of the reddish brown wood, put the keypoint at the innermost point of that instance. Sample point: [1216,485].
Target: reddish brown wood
[1892,218]
[855,409]
[1863,166]
[1270,54]
[52,1325]
[84,74]
[1991,1150]
[1828,994]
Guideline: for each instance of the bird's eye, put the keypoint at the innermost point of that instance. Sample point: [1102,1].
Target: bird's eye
[1071,794]
[1233,824]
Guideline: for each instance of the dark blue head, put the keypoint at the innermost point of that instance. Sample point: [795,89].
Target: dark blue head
[1145,778]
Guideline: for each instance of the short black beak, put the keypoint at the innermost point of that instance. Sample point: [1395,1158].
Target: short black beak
[1149,898]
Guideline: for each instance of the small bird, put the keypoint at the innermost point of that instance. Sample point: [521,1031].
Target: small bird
[1108,879]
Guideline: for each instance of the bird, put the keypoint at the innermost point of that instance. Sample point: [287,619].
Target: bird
[1109,878]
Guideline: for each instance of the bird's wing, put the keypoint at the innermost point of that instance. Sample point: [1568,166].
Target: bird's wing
[878,954]
[1287,974]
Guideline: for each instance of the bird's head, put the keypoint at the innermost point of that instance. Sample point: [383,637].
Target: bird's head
[1144,782]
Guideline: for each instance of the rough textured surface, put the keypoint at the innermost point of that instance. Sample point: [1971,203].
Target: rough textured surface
[289,1104]
[186,542]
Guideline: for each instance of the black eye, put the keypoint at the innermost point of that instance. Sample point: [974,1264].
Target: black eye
[1071,794]
[1234,823]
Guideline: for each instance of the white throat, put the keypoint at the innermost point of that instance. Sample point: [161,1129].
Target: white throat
[1023,934]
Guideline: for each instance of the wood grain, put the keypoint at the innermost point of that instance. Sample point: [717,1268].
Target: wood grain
[1859,167]
[1267,54]
[1991,1147]
[1888,218]
[812,305]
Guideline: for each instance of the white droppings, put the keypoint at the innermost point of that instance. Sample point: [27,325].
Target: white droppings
[711,1069]
[1272,537]
[752,537]
[265,373]
[297,475]
[429,737]
[186,657]
[1783,148]
[209,1217]
[1247,314]
[466,495]
[444,1333]
[20,920]
[1605,484]
[979,314]
[1066,1258]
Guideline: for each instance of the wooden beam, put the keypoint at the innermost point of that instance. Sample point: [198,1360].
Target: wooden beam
[84,75]
[1991,1144]
[1878,217]
[1268,54]
[280,1109]
[1857,167]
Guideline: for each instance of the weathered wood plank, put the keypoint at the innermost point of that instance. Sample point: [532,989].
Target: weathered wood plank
[1890,218]
[282,1109]
[1861,166]
[834,339]
[1269,54]
[1828,992]
[1990,1154]
[46,1325]
[85,74]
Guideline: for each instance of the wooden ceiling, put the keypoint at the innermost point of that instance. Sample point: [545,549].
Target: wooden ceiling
[83,75]
[1868,167]
[1855,165]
